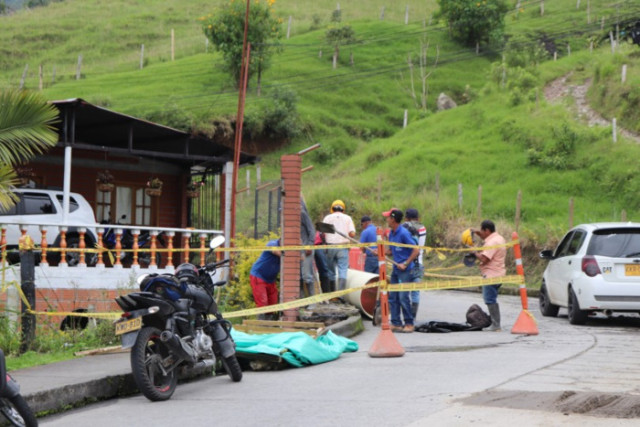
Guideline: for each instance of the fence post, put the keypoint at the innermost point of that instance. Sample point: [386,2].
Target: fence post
[406,15]
[27,284]
[40,77]
[460,196]
[382,13]
[406,119]
[255,214]
[479,209]
[79,67]
[173,45]
[613,130]
[437,187]
[623,77]
[623,215]
[24,75]
[142,56]
[571,212]
[289,27]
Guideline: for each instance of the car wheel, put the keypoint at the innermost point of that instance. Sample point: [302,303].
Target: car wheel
[576,316]
[546,307]
[73,258]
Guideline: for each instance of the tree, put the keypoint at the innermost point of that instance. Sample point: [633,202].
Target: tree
[474,22]
[26,129]
[225,30]
[337,35]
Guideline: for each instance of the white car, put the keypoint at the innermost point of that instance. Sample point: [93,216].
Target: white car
[36,207]
[595,268]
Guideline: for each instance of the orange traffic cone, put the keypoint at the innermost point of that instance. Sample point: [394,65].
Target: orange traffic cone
[526,323]
[386,345]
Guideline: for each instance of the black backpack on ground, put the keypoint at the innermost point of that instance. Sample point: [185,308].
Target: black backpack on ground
[477,318]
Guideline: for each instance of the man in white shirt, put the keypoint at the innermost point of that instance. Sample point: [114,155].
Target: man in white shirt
[339,256]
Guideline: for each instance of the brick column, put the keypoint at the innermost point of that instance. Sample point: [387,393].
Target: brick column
[290,265]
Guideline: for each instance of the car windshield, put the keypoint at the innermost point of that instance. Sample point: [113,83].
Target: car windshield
[615,242]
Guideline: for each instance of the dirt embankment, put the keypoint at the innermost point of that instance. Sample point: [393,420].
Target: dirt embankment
[560,89]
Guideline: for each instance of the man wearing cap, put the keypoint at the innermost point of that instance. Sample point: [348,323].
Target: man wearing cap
[419,233]
[369,235]
[491,265]
[404,263]
[263,276]
[339,256]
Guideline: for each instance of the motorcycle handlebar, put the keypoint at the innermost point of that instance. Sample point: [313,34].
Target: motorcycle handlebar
[215,265]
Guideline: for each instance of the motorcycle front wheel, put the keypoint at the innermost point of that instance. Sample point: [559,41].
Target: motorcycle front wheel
[17,412]
[150,359]
[232,367]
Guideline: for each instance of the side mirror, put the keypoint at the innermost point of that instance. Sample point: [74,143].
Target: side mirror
[217,241]
[546,254]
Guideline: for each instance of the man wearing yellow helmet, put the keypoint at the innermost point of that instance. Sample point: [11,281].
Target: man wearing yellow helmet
[340,256]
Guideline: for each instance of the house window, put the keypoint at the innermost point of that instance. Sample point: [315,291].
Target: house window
[130,205]
[103,207]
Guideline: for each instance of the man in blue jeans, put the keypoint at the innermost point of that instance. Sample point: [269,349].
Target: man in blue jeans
[404,259]
[369,235]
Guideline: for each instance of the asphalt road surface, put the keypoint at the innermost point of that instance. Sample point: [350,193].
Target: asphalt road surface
[566,375]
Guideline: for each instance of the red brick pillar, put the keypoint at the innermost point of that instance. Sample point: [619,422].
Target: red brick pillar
[290,266]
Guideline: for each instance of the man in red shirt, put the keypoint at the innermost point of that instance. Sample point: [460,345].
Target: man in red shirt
[491,265]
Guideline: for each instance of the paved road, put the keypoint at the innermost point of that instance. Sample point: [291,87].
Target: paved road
[443,379]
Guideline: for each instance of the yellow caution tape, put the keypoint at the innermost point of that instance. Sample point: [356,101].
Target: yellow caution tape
[398,287]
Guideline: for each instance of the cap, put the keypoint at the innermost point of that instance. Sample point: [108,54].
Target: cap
[412,214]
[394,213]
[365,218]
[388,213]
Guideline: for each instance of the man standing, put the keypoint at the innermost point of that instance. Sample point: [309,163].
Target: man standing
[340,256]
[307,237]
[369,235]
[491,265]
[263,276]
[404,263]
[419,234]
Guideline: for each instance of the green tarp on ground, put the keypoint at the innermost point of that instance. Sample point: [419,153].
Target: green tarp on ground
[297,348]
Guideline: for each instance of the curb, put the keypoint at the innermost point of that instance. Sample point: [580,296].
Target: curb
[76,395]
[349,327]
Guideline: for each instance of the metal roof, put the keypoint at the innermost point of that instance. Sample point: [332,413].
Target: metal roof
[90,127]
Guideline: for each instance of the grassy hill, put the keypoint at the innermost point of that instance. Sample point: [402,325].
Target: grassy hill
[503,136]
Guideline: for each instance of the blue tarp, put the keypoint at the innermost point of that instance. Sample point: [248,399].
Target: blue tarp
[297,348]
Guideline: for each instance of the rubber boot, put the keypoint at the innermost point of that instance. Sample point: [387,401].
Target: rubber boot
[332,285]
[324,284]
[414,310]
[494,312]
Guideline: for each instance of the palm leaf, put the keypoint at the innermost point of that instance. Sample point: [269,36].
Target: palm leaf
[7,179]
[26,126]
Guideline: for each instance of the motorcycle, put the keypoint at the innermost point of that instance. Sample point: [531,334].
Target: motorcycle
[126,240]
[12,404]
[167,327]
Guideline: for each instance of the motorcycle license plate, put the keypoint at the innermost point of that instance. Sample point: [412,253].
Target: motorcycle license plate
[632,270]
[128,325]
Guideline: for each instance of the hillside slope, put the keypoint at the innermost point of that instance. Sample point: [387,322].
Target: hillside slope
[503,136]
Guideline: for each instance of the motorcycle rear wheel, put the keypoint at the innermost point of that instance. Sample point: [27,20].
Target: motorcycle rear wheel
[148,355]
[232,366]
[17,412]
